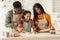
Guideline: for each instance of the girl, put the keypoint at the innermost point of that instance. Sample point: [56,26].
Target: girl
[26,23]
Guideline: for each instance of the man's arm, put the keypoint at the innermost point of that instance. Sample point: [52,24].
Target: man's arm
[8,20]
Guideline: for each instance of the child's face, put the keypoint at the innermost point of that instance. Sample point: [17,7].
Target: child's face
[27,16]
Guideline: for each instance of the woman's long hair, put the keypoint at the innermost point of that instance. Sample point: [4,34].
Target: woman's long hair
[35,13]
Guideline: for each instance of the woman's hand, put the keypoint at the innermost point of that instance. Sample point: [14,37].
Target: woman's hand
[52,28]
[45,30]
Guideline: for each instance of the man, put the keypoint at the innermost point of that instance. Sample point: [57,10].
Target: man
[13,16]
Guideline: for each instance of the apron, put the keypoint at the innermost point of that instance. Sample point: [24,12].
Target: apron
[42,23]
[27,26]
[14,30]
[16,18]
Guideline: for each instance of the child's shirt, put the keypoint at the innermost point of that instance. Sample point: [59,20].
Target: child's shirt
[26,25]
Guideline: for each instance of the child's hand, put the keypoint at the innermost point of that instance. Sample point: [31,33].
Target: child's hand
[23,31]
[35,29]
[19,29]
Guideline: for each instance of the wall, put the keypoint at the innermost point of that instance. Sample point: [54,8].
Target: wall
[28,5]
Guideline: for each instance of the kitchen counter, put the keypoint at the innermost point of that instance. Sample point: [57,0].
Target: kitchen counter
[38,36]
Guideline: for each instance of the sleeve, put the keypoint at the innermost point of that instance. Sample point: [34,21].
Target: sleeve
[19,27]
[49,20]
[8,20]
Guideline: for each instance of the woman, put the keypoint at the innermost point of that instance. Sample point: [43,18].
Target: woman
[41,19]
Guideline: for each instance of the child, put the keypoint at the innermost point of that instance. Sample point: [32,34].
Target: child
[26,23]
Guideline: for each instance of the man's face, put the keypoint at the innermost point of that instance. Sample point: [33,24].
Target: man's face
[17,10]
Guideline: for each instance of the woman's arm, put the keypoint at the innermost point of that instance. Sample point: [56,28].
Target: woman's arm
[49,20]
[45,30]
[49,24]
[33,26]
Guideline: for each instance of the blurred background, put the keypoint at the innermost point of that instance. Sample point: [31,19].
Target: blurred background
[50,6]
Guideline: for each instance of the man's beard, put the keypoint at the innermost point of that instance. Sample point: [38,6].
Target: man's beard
[17,13]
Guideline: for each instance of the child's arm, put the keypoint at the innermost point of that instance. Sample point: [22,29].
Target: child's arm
[19,28]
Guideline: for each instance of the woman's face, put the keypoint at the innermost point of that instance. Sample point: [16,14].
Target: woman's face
[37,10]
[27,16]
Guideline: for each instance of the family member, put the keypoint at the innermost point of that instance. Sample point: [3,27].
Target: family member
[26,23]
[14,15]
[41,19]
